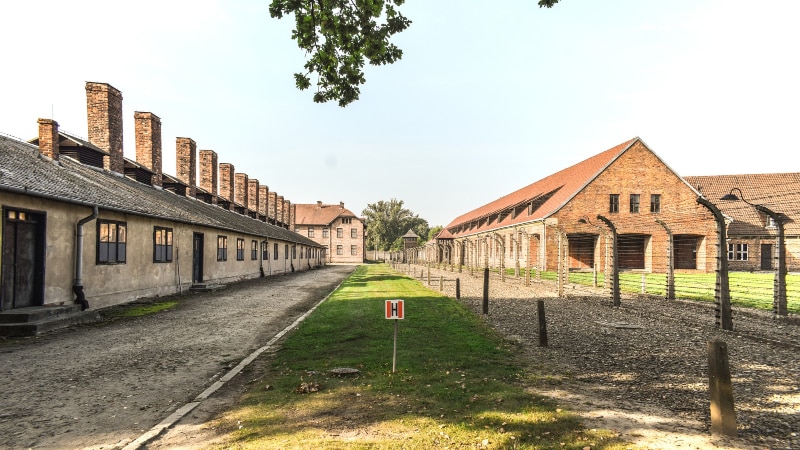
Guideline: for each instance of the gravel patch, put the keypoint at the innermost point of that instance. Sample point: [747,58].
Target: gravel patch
[101,386]
[641,368]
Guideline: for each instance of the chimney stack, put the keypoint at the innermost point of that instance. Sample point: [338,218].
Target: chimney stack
[292,217]
[147,127]
[341,205]
[226,180]
[263,200]
[272,209]
[104,118]
[319,204]
[242,186]
[279,210]
[186,163]
[252,195]
[287,212]
[208,173]
[48,138]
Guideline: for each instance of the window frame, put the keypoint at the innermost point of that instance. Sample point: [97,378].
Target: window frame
[353,250]
[222,247]
[339,233]
[635,203]
[613,203]
[120,246]
[326,232]
[275,250]
[311,232]
[339,250]
[264,250]
[239,249]
[655,203]
[285,251]
[253,250]
[163,255]
[738,251]
[353,233]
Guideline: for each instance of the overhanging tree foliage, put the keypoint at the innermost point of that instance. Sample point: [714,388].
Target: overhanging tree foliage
[339,36]
[387,222]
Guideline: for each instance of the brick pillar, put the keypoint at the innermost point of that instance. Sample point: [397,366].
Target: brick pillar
[104,119]
[48,138]
[252,195]
[263,199]
[273,211]
[226,180]
[293,217]
[186,163]
[147,127]
[287,215]
[208,173]
[279,210]
[241,186]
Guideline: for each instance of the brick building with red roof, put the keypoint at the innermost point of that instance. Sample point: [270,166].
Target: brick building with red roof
[334,227]
[752,234]
[553,223]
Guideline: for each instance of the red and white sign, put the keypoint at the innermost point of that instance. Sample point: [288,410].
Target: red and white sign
[394,309]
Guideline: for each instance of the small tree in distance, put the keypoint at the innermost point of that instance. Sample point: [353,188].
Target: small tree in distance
[388,221]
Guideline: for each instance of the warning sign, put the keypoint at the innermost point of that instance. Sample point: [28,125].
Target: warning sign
[394,309]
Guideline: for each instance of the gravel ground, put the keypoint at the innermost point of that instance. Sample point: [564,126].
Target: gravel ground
[641,368]
[103,385]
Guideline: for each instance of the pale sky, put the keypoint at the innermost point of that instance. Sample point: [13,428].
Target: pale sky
[489,97]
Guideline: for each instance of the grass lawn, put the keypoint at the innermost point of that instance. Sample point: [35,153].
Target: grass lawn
[750,289]
[456,386]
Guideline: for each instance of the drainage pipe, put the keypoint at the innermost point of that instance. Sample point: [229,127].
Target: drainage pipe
[77,287]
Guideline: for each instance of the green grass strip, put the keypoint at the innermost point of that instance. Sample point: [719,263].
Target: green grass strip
[456,386]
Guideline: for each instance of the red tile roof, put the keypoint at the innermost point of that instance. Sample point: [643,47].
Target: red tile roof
[779,192]
[320,214]
[547,195]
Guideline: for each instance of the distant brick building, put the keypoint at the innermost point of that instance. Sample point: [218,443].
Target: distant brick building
[554,224]
[334,227]
[752,235]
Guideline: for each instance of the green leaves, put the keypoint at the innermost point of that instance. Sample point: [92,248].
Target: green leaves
[339,36]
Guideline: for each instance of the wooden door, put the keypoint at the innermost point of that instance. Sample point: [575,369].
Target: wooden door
[22,259]
[197,258]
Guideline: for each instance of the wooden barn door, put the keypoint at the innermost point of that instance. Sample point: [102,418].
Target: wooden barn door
[23,259]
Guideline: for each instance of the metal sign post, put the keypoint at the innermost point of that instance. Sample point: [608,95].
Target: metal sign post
[395,310]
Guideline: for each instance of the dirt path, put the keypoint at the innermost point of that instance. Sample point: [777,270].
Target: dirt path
[103,385]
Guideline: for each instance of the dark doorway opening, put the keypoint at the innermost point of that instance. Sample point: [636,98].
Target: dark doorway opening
[23,259]
[685,251]
[197,257]
[630,251]
[766,257]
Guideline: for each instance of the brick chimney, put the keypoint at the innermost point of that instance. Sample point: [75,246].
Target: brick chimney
[279,210]
[263,199]
[226,180]
[292,217]
[147,127]
[287,212]
[252,195]
[186,163]
[104,118]
[319,204]
[48,138]
[242,186]
[273,211]
[341,205]
[208,172]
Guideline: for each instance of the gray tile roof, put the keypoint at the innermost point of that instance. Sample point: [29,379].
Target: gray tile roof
[24,170]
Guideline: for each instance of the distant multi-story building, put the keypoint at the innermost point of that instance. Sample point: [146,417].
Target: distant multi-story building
[334,227]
